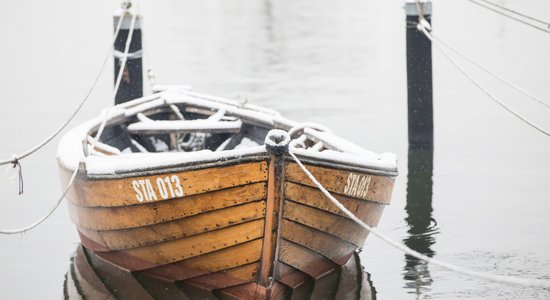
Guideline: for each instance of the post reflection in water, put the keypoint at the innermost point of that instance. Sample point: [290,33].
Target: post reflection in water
[422,226]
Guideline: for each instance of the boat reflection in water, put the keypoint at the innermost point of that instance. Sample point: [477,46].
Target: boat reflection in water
[90,277]
[422,226]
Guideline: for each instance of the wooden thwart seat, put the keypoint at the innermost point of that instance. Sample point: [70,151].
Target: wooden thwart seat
[184,126]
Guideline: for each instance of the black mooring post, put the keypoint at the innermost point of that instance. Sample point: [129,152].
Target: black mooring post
[131,85]
[419,77]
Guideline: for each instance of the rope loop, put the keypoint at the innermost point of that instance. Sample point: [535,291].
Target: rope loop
[422,22]
[17,164]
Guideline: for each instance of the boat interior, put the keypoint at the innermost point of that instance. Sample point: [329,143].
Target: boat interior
[141,127]
[180,128]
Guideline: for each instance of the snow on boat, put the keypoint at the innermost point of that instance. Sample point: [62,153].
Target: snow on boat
[201,190]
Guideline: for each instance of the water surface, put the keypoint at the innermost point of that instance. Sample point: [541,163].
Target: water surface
[480,200]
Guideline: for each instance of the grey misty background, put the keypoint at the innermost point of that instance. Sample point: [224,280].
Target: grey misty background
[339,63]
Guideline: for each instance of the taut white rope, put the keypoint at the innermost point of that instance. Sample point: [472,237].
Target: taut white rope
[119,77]
[510,84]
[547,24]
[411,252]
[475,82]
[510,16]
[94,142]
[55,133]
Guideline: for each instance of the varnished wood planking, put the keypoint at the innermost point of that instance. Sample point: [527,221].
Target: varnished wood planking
[120,192]
[246,272]
[111,218]
[196,245]
[241,292]
[334,180]
[91,244]
[230,257]
[173,272]
[369,212]
[147,235]
[303,259]
[336,225]
[160,289]
[210,281]
[337,250]
[228,278]
[214,281]
[124,261]
[227,258]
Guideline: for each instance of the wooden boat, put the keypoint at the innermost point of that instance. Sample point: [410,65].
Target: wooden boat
[201,191]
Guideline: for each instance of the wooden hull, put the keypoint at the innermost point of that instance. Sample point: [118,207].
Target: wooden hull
[248,228]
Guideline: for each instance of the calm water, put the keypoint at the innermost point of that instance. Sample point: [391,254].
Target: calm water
[480,201]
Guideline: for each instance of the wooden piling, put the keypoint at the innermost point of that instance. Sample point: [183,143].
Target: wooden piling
[131,85]
[419,76]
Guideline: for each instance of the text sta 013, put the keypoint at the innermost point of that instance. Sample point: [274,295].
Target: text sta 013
[160,189]
[357,185]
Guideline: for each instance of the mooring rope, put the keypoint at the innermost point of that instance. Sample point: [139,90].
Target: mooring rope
[150,73]
[478,65]
[18,157]
[50,212]
[118,79]
[512,17]
[94,142]
[422,28]
[416,254]
[547,24]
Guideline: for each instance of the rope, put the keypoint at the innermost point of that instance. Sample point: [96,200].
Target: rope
[418,255]
[118,79]
[510,84]
[150,74]
[512,17]
[86,97]
[475,82]
[517,13]
[94,142]
[17,164]
[125,55]
[133,55]
[50,212]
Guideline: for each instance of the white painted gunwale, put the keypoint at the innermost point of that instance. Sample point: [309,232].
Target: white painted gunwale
[70,150]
